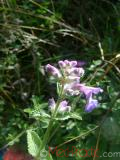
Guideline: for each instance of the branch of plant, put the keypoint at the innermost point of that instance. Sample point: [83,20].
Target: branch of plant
[47,133]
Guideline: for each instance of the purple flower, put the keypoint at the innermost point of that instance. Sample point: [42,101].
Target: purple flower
[72,79]
[62,64]
[53,71]
[89,90]
[85,89]
[67,63]
[70,89]
[70,71]
[79,72]
[77,88]
[51,104]
[63,107]
[69,74]
[91,104]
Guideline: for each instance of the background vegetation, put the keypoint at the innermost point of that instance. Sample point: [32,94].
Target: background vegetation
[36,32]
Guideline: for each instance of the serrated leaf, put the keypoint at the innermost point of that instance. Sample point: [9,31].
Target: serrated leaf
[34,142]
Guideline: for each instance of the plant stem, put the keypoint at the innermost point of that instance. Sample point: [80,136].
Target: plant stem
[46,136]
[47,133]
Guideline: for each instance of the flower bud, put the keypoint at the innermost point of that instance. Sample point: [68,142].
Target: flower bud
[53,71]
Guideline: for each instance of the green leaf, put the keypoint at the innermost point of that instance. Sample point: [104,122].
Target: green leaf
[75,116]
[34,142]
[50,157]
[68,115]
[97,62]
[45,155]
[28,110]
[58,88]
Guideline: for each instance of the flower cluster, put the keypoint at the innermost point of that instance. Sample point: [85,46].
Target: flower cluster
[68,75]
[63,106]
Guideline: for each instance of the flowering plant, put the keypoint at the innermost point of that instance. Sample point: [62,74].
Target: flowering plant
[68,79]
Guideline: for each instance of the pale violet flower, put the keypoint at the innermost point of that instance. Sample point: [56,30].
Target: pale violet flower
[53,71]
[63,107]
[70,90]
[77,71]
[77,88]
[68,75]
[70,68]
[91,104]
[73,74]
[81,88]
[89,90]
[67,63]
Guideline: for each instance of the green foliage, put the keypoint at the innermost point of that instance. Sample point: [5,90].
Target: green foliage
[34,143]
